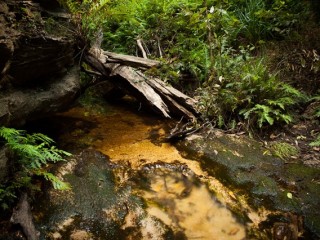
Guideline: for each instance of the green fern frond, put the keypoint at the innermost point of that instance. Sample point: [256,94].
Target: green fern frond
[34,152]
[11,134]
[25,150]
[246,113]
[316,98]
[293,92]
[39,137]
[286,118]
[264,114]
[282,102]
[56,182]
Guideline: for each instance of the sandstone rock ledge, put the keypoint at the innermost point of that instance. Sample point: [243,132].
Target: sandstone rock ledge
[36,64]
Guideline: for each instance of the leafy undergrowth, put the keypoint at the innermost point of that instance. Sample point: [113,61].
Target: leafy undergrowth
[255,64]
[297,60]
[302,136]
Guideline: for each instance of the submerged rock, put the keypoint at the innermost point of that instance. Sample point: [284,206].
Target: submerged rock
[99,205]
[176,196]
[112,201]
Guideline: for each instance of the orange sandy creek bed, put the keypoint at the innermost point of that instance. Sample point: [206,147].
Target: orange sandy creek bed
[135,140]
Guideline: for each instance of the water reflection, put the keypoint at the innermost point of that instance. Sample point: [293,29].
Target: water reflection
[175,197]
[186,205]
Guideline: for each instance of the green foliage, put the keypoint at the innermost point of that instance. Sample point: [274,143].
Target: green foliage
[183,39]
[253,26]
[34,150]
[213,41]
[189,34]
[262,20]
[185,33]
[283,150]
[32,154]
[242,88]
[316,112]
[316,142]
[89,16]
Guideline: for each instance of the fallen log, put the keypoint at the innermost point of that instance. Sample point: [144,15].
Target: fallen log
[151,91]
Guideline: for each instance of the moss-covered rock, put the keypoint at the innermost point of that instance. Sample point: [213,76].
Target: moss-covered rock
[269,182]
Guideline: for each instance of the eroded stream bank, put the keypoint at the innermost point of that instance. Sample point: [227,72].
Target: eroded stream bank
[127,183]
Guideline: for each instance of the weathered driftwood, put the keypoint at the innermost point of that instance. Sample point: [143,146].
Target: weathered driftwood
[140,46]
[22,216]
[130,60]
[151,91]
[181,131]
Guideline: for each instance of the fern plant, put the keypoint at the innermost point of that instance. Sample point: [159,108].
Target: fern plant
[243,89]
[33,153]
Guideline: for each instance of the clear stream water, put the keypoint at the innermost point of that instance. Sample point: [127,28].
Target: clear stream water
[178,199]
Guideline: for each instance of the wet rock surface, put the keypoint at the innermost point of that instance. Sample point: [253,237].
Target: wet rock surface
[18,106]
[178,197]
[271,182]
[93,207]
[97,207]
[112,201]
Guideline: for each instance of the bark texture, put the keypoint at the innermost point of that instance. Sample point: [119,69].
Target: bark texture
[127,74]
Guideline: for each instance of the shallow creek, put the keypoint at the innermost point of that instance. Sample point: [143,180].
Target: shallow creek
[169,195]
